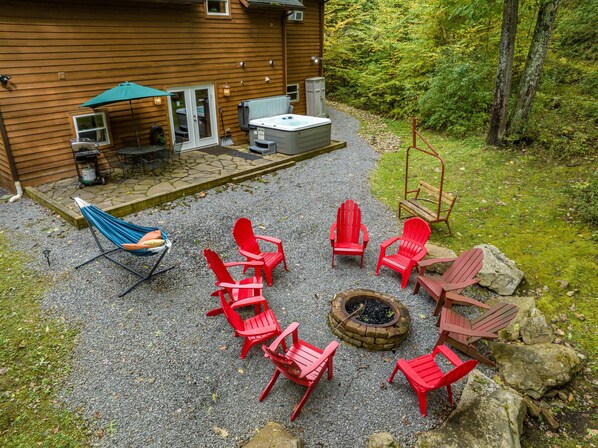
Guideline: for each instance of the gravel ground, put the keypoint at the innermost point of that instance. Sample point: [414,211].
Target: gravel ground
[155,371]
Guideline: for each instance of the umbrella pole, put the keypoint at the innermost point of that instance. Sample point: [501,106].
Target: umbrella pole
[135,123]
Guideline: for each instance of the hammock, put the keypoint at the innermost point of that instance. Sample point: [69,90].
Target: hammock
[120,232]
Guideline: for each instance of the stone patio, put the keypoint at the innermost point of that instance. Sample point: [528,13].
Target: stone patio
[193,172]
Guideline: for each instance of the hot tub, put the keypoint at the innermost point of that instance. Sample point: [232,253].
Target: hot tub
[293,134]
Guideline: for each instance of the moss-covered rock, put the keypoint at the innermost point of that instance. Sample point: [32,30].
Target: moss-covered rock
[529,324]
[273,435]
[535,369]
[487,416]
[499,273]
[382,440]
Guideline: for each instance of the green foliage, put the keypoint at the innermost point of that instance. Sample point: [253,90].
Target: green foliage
[584,197]
[455,100]
[576,31]
[562,124]
[437,61]
[34,357]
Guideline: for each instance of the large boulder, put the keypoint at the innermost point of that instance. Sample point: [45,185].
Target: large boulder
[273,435]
[529,324]
[534,369]
[382,440]
[487,416]
[436,251]
[498,272]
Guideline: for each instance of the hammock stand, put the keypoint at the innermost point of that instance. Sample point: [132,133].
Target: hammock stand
[121,232]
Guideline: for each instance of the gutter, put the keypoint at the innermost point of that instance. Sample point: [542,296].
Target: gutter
[11,161]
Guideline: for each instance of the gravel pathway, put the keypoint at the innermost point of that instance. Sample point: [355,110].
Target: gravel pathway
[155,371]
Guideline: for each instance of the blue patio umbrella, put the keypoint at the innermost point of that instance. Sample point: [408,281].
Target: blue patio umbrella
[127,91]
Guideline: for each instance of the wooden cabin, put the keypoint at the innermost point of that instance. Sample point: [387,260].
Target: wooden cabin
[211,53]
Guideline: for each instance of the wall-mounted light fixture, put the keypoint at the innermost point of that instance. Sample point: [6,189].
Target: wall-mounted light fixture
[158,100]
[267,79]
[226,89]
[242,64]
[271,62]
[315,59]
[4,79]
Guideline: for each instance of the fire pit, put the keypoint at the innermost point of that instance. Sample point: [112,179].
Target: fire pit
[369,319]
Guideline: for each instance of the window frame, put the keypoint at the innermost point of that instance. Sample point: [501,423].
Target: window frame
[293,13]
[225,15]
[291,93]
[77,131]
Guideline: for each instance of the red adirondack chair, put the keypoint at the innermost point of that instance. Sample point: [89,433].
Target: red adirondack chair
[302,363]
[463,333]
[345,232]
[424,374]
[459,275]
[236,291]
[411,249]
[255,329]
[249,248]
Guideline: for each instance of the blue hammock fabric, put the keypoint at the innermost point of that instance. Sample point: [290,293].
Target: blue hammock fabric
[120,232]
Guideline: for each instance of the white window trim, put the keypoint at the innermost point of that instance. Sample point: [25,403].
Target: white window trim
[219,14]
[296,92]
[105,119]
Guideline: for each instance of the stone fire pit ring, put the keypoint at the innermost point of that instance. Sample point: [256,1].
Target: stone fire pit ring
[369,336]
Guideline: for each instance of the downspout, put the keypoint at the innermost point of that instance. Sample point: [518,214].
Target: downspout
[321,68]
[285,15]
[11,161]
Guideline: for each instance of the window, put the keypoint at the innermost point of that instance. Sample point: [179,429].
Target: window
[92,126]
[217,7]
[293,92]
[295,16]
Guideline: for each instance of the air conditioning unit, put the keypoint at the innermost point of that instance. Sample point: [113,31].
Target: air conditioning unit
[296,16]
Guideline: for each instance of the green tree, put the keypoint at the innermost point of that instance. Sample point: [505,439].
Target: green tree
[532,72]
[502,90]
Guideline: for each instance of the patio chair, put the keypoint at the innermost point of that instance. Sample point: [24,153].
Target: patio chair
[135,240]
[424,374]
[411,249]
[175,152]
[302,363]
[250,249]
[237,291]
[461,274]
[346,230]
[255,329]
[463,333]
[172,155]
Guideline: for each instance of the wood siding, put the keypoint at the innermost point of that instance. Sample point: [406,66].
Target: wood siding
[303,42]
[99,45]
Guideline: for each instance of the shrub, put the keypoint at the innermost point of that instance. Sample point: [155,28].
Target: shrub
[562,127]
[459,97]
[584,197]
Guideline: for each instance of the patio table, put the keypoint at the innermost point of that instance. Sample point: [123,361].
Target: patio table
[135,155]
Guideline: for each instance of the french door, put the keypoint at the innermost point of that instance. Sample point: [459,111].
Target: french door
[192,111]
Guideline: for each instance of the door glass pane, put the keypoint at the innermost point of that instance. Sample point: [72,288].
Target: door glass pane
[202,102]
[180,116]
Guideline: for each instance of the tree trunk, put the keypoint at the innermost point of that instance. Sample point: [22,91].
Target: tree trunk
[533,66]
[502,90]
